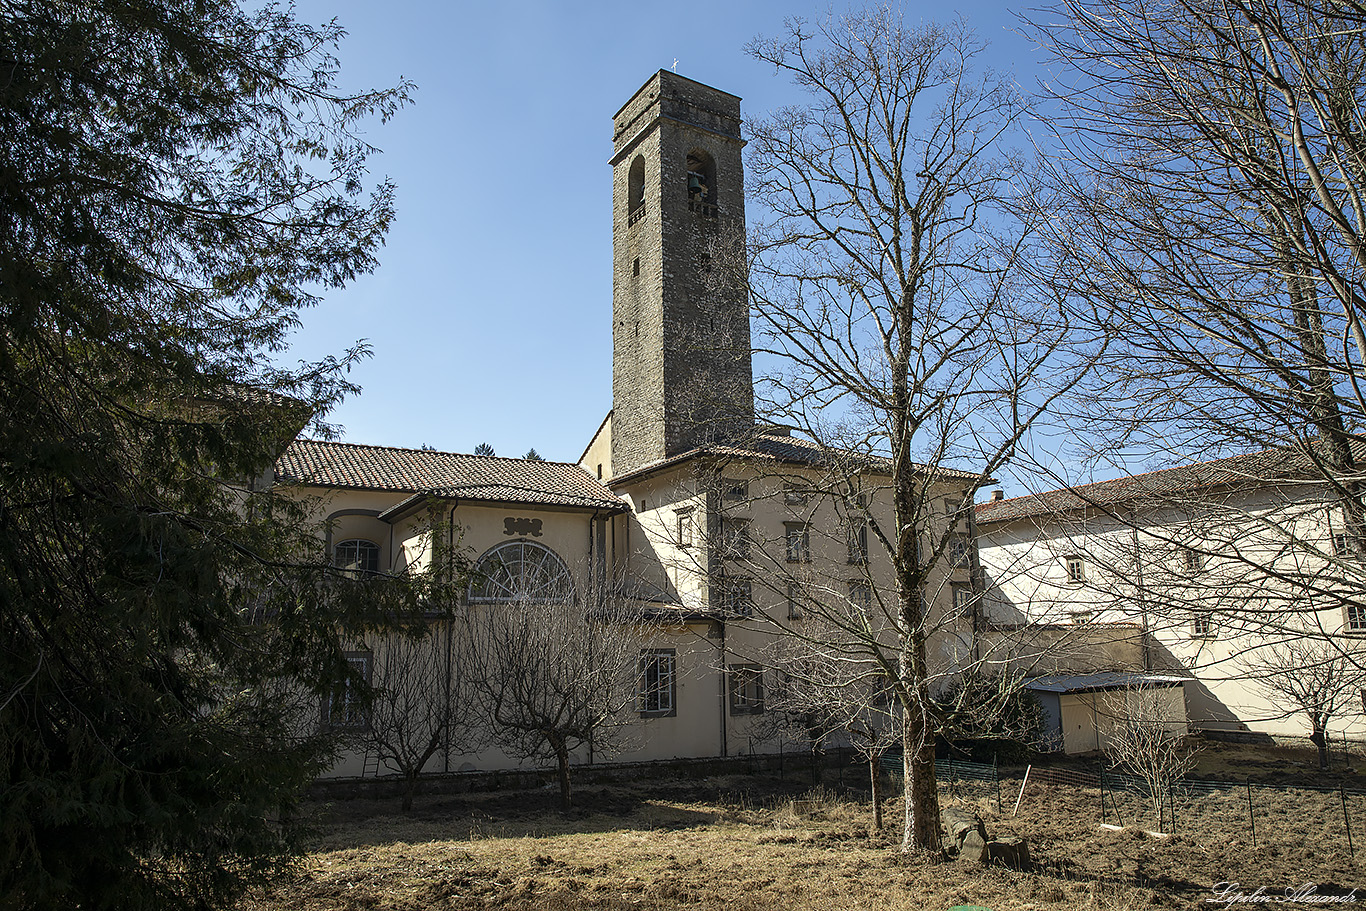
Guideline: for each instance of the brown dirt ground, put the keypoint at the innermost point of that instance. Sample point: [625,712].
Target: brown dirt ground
[734,843]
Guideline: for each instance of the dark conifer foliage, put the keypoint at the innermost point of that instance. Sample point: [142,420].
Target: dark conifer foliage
[177,180]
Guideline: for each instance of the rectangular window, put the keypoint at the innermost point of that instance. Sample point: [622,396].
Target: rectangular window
[1202,627]
[344,710]
[734,538]
[1356,617]
[959,552]
[685,528]
[951,508]
[746,689]
[860,594]
[795,495]
[735,489]
[1076,569]
[798,537]
[1191,560]
[1343,545]
[657,682]
[1080,617]
[858,541]
[796,599]
[962,600]
[736,596]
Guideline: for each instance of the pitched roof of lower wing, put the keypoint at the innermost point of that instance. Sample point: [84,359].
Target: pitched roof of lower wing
[319,463]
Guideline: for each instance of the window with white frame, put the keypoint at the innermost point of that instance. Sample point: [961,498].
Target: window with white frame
[1355,616]
[344,709]
[796,494]
[657,682]
[746,689]
[1202,626]
[797,536]
[734,489]
[1191,560]
[1076,569]
[356,556]
[521,571]
[1080,617]
[860,594]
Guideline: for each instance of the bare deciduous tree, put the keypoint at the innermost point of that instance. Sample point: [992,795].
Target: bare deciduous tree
[422,703]
[1313,675]
[553,672]
[1217,203]
[886,287]
[1146,741]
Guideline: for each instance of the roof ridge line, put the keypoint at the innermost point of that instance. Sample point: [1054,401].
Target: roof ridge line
[449,452]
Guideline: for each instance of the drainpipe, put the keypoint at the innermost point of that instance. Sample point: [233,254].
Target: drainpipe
[450,669]
[1144,646]
[725,746]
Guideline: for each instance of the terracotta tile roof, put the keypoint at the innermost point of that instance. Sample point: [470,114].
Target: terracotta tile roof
[451,474]
[779,447]
[1269,466]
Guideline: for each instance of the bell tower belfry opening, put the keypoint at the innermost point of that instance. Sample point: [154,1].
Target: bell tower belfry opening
[681,365]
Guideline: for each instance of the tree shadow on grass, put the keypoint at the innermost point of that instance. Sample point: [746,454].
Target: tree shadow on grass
[358,823]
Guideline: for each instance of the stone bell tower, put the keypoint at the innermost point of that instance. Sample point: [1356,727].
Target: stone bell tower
[681,367]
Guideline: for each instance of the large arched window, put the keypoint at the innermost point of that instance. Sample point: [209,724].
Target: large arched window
[521,571]
[356,555]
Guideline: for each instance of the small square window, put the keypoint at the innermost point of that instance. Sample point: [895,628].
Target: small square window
[735,489]
[746,689]
[797,536]
[796,495]
[1080,617]
[1356,617]
[657,682]
[1076,570]
[1202,627]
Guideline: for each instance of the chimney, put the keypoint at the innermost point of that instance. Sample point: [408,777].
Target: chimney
[997,496]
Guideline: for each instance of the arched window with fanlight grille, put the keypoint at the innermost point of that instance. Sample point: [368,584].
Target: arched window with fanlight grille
[521,571]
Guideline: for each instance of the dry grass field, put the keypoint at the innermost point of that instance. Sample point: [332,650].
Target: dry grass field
[735,843]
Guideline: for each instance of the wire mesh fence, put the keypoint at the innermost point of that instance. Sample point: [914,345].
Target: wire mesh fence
[959,779]
[1260,813]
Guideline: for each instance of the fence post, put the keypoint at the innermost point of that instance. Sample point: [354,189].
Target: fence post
[1251,815]
[1103,817]
[1345,821]
[1029,768]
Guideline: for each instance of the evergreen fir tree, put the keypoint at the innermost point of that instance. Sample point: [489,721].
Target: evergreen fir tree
[175,179]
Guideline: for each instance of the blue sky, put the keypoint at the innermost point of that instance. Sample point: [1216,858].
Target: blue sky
[490,316]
